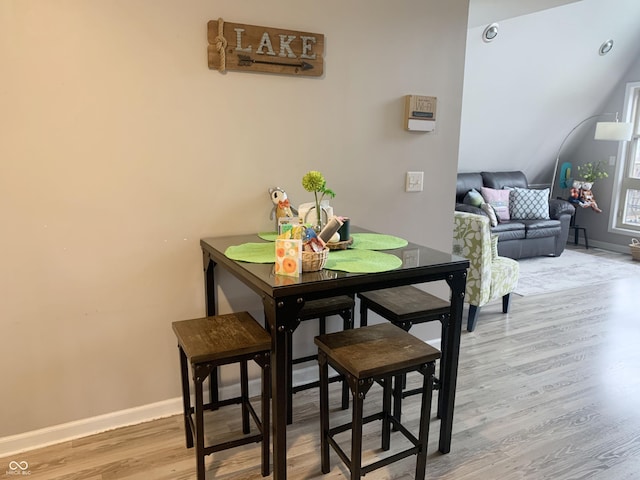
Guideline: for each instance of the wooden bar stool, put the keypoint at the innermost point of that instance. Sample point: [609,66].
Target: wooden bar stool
[404,307]
[366,355]
[343,306]
[207,343]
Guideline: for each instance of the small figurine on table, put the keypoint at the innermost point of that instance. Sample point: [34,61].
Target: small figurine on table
[281,205]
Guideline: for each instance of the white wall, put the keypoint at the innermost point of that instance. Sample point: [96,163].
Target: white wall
[120,149]
[541,76]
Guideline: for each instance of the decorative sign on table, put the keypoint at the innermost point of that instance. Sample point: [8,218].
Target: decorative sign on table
[251,48]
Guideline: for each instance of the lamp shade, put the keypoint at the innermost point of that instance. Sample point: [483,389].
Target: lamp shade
[613,131]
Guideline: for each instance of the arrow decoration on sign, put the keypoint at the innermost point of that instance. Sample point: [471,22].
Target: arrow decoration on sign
[247,61]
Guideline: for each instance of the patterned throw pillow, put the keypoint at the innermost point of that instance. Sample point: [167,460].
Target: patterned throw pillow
[491,213]
[525,204]
[473,197]
[499,200]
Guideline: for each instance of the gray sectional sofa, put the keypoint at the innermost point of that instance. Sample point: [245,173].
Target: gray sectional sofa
[519,238]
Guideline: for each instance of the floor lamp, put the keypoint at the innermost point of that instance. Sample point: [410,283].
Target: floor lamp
[614,131]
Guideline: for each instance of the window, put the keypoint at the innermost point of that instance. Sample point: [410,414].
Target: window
[626,196]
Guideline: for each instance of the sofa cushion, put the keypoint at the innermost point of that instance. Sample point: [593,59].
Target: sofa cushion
[499,200]
[541,228]
[528,204]
[510,230]
[463,207]
[499,180]
[465,182]
[559,207]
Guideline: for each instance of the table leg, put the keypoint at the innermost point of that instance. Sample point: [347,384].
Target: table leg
[211,306]
[457,283]
[281,315]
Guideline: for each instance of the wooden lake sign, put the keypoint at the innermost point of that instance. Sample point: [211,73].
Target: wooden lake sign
[250,48]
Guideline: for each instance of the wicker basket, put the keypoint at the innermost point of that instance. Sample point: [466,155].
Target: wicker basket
[635,249]
[314,261]
[340,245]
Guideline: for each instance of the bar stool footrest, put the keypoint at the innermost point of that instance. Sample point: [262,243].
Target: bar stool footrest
[208,450]
[397,426]
[418,391]
[222,403]
[232,444]
[316,384]
[309,358]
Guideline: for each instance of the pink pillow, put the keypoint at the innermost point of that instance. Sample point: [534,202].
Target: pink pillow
[499,200]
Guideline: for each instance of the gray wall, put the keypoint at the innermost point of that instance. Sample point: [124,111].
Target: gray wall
[590,150]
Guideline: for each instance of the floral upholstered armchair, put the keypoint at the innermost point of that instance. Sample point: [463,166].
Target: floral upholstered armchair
[490,276]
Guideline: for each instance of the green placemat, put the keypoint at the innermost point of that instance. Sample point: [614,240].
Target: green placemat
[268,236]
[361,261]
[252,252]
[377,241]
[362,241]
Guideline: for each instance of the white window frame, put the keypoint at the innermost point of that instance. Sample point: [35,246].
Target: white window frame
[622,180]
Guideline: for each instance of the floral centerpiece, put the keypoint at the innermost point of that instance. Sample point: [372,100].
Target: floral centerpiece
[315,182]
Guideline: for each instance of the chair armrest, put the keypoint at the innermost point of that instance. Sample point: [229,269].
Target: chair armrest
[558,207]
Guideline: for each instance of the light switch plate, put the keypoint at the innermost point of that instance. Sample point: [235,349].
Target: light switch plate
[414,182]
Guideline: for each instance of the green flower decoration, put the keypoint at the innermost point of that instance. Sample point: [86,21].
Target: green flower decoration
[314,181]
[590,172]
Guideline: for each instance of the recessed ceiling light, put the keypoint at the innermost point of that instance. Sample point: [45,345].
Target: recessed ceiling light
[606,47]
[490,32]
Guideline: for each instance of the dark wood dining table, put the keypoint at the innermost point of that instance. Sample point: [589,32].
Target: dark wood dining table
[283,297]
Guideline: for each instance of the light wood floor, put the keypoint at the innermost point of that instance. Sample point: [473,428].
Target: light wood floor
[550,391]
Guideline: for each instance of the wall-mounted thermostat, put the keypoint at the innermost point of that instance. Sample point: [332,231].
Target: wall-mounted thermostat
[420,113]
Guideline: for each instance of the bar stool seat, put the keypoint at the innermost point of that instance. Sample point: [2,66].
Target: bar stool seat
[404,307]
[205,344]
[366,355]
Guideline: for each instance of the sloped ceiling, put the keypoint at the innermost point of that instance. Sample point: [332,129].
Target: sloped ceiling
[483,12]
[539,78]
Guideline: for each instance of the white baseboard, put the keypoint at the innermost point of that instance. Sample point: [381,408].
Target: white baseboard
[81,428]
[612,247]
[65,432]
[44,437]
